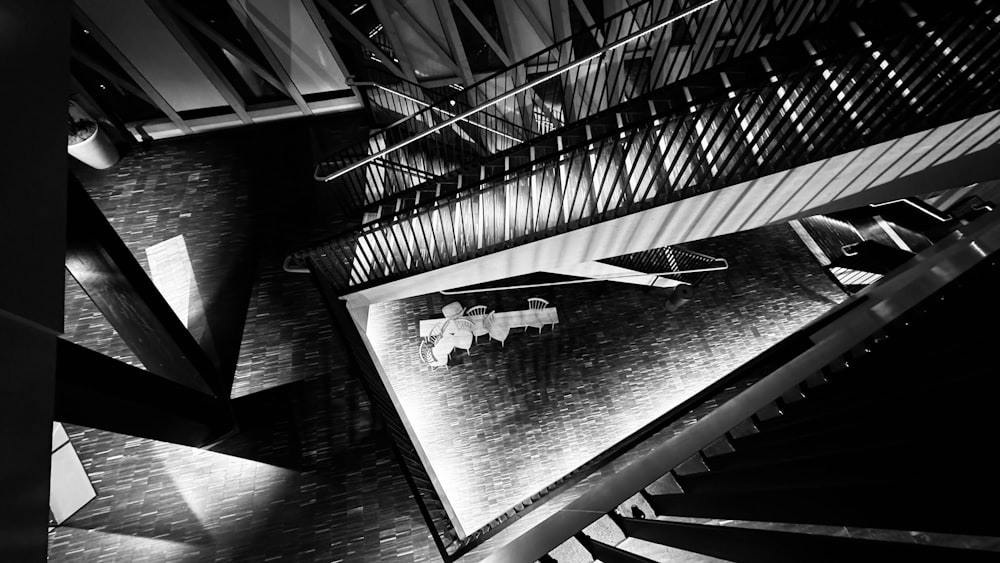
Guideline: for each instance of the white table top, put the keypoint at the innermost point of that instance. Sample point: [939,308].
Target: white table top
[513,319]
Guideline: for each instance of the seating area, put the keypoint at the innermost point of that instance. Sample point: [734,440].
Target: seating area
[537,406]
[461,328]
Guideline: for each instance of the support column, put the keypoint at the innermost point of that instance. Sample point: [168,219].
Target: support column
[97,391]
[34,61]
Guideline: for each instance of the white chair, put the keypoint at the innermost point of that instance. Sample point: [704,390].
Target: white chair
[536,305]
[477,315]
[463,335]
[437,335]
[453,310]
[427,356]
[496,330]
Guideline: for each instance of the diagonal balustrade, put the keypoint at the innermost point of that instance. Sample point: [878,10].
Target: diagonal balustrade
[637,50]
[890,70]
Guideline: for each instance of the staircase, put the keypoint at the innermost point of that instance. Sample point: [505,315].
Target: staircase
[886,71]
[633,52]
[880,453]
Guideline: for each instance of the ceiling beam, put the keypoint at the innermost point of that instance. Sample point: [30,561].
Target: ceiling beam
[111,76]
[324,32]
[428,37]
[130,69]
[481,29]
[389,27]
[561,27]
[272,59]
[200,58]
[223,43]
[454,39]
[360,37]
[589,21]
[520,73]
[536,24]
[108,113]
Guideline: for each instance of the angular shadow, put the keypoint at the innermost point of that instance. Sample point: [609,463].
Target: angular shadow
[172,518]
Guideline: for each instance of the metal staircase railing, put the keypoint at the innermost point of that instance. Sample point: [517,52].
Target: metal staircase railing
[691,267]
[885,73]
[783,379]
[628,54]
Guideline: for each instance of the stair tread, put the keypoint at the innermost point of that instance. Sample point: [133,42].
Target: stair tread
[664,553]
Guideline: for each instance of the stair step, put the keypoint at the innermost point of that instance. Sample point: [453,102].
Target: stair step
[605,530]
[571,551]
[664,553]
[665,485]
[692,465]
[719,446]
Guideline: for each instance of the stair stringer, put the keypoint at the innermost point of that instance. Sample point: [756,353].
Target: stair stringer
[887,170]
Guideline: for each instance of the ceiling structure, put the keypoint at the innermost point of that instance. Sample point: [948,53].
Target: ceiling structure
[159,68]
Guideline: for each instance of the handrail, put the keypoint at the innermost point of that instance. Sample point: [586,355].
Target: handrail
[430,106]
[286,265]
[678,152]
[883,303]
[499,98]
[944,219]
[725,266]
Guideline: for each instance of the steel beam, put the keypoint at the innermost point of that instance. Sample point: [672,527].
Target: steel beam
[111,276]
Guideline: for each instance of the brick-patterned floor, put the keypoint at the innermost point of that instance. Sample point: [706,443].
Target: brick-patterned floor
[242,199]
[160,502]
[311,480]
[84,324]
[500,425]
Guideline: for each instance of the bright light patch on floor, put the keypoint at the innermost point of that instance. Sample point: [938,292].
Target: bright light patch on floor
[206,481]
[170,269]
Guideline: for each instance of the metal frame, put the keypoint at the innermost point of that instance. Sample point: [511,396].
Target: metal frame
[264,46]
[345,23]
[222,42]
[524,87]
[130,69]
[429,39]
[389,27]
[324,32]
[200,58]
[481,29]
[454,39]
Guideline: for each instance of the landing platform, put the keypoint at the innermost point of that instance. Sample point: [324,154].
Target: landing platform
[504,422]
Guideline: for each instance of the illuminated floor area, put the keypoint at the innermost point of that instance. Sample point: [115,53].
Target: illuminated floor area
[503,423]
[162,502]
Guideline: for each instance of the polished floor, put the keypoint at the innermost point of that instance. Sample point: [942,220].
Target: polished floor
[309,477]
[312,479]
[504,422]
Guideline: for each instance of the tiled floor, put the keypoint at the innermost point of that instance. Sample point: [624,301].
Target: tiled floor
[311,481]
[242,199]
[505,422]
[160,502]
[306,478]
